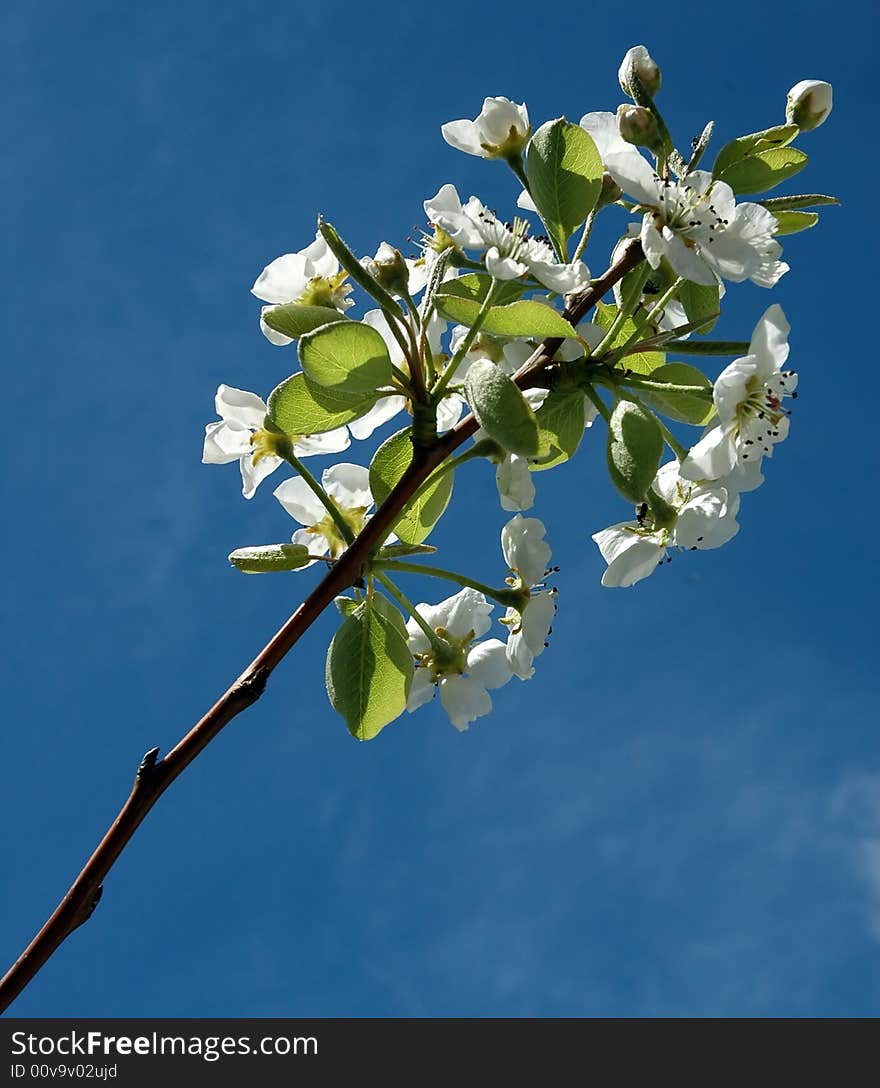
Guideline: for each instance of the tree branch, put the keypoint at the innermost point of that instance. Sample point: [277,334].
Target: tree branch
[155,775]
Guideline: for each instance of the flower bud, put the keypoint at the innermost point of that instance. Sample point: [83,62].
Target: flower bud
[809,103]
[639,63]
[389,269]
[638,125]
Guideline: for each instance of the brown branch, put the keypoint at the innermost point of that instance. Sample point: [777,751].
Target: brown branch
[155,775]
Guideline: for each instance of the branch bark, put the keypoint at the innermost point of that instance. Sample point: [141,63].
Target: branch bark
[155,775]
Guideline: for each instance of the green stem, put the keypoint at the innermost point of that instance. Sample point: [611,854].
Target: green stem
[660,305]
[506,597]
[328,504]
[672,442]
[585,237]
[464,347]
[708,347]
[637,381]
[484,448]
[628,304]
[600,405]
[407,605]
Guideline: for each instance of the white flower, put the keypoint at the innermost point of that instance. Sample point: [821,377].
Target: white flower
[501,130]
[239,436]
[466,669]
[389,405]
[348,486]
[527,555]
[705,518]
[510,252]
[311,276]
[694,222]
[748,399]
[808,104]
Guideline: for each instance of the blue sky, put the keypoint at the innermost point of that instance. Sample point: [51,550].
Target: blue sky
[679,816]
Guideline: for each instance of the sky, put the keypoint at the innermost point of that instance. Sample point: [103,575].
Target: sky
[679,816]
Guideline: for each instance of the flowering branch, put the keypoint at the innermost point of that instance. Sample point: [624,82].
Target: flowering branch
[155,775]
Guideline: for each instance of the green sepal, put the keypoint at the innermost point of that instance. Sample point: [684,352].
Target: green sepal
[421,514]
[346,355]
[369,668]
[565,177]
[634,449]
[298,406]
[561,419]
[685,407]
[269,558]
[502,410]
[295,320]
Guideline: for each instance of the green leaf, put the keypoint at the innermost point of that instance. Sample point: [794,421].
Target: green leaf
[268,558]
[743,146]
[502,410]
[421,513]
[294,320]
[802,200]
[346,355]
[700,302]
[298,406]
[565,177]
[635,445]
[369,669]
[685,407]
[526,318]
[355,269]
[561,419]
[345,605]
[640,362]
[792,222]
[475,287]
[764,170]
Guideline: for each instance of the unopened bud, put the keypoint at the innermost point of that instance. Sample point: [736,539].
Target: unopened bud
[638,125]
[639,63]
[389,269]
[809,103]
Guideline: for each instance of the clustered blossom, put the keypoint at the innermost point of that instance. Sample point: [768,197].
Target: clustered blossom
[510,252]
[527,554]
[688,225]
[705,517]
[311,277]
[460,664]
[694,222]
[500,131]
[704,489]
[239,435]
[461,668]
[348,487]
[748,397]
